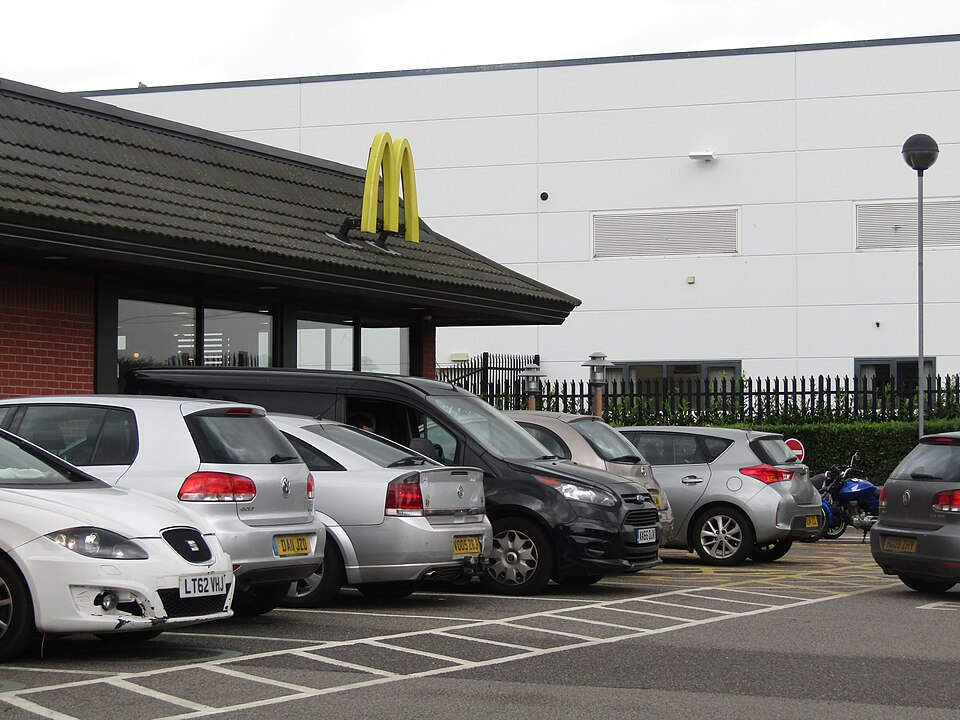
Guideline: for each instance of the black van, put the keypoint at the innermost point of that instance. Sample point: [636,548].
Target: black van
[552,519]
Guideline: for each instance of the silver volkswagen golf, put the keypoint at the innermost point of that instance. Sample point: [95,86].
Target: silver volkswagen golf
[394,517]
[223,460]
[735,493]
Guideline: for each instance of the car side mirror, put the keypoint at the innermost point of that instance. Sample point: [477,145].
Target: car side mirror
[424,447]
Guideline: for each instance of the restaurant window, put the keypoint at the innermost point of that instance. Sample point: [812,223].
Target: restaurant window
[385,350]
[898,373]
[324,346]
[233,338]
[153,334]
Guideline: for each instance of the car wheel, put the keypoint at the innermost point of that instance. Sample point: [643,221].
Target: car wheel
[838,528]
[322,587]
[581,580]
[521,558]
[388,590]
[924,585]
[770,551]
[134,636]
[16,612]
[722,536]
[259,599]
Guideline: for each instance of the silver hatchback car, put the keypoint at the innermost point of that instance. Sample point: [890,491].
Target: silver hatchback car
[735,493]
[394,517]
[223,460]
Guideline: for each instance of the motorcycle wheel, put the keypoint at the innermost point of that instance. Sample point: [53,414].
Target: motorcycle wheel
[924,585]
[838,528]
[770,551]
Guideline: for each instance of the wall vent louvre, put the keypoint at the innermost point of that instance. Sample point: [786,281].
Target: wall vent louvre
[894,225]
[689,232]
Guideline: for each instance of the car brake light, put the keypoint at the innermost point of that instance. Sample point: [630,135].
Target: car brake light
[947,501]
[217,487]
[310,487]
[240,411]
[767,473]
[404,497]
[883,497]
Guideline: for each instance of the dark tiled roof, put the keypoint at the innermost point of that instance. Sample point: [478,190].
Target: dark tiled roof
[177,190]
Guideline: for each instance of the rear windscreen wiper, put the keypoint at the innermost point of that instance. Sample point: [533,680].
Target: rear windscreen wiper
[409,460]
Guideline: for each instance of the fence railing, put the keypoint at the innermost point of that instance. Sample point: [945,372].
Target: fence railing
[487,374]
[739,400]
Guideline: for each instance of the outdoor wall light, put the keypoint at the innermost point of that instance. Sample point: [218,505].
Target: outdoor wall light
[705,155]
[598,365]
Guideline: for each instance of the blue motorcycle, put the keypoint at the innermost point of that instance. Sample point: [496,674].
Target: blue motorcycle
[847,500]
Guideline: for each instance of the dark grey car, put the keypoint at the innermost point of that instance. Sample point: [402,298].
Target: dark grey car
[918,535]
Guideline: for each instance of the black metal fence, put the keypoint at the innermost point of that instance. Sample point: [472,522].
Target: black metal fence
[488,375]
[739,400]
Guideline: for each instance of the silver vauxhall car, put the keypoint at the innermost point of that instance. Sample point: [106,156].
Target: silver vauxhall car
[223,460]
[735,493]
[394,517]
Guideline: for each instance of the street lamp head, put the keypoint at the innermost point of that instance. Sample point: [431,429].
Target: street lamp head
[531,378]
[598,365]
[920,152]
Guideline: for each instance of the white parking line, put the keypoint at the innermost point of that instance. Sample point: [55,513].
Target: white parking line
[157,695]
[317,652]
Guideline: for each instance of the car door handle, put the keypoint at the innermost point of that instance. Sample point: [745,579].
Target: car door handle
[691,480]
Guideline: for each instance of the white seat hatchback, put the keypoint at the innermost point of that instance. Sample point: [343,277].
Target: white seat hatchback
[224,460]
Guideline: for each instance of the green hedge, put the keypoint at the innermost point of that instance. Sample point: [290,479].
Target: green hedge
[881,445]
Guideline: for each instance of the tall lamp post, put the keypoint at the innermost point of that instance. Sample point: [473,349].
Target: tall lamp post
[531,384]
[598,365]
[920,153]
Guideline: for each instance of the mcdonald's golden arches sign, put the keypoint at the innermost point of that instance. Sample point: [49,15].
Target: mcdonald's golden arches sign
[395,159]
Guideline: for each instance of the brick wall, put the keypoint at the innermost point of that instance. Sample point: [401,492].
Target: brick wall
[46,332]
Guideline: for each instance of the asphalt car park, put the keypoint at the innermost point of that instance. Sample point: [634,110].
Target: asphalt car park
[821,631]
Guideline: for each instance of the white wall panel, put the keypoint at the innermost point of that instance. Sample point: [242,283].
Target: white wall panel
[255,107]
[826,227]
[504,238]
[668,335]
[511,339]
[851,331]
[661,283]
[564,237]
[876,120]
[911,68]
[670,183]
[728,129]
[504,190]
[768,229]
[419,97]
[837,279]
[654,83]
[510,140]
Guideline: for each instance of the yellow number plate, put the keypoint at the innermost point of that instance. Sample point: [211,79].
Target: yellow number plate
[813,521]
[900,544]
[286,545]
[467,545]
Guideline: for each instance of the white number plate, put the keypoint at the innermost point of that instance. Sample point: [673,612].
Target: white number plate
[198,586]
[646,535]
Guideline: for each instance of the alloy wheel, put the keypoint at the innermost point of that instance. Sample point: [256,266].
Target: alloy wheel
[721,536]
[6,607]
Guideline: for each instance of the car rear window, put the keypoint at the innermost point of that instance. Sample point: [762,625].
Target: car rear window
[931,460]
[773,451]
[246,439]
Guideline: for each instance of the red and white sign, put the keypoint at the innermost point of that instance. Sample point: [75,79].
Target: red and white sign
[797,447]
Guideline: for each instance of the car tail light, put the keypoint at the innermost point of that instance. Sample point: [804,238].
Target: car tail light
[767,474]
[240,411]
[310,487]
[947,501]
[883,497]
[404,497]
[217,487]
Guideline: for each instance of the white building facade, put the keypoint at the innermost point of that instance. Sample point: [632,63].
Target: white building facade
[793,252]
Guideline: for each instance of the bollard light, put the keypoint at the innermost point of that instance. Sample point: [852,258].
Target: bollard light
[598,365]
[531,384]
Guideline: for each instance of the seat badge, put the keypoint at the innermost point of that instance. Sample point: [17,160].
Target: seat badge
[192,544]
[285,487]
[905,498]
[459,491]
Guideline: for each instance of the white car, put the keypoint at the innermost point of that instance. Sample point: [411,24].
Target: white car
[224,461]
[80,556]
[394,517]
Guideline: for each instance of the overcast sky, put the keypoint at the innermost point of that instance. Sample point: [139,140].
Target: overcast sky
[69,45]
